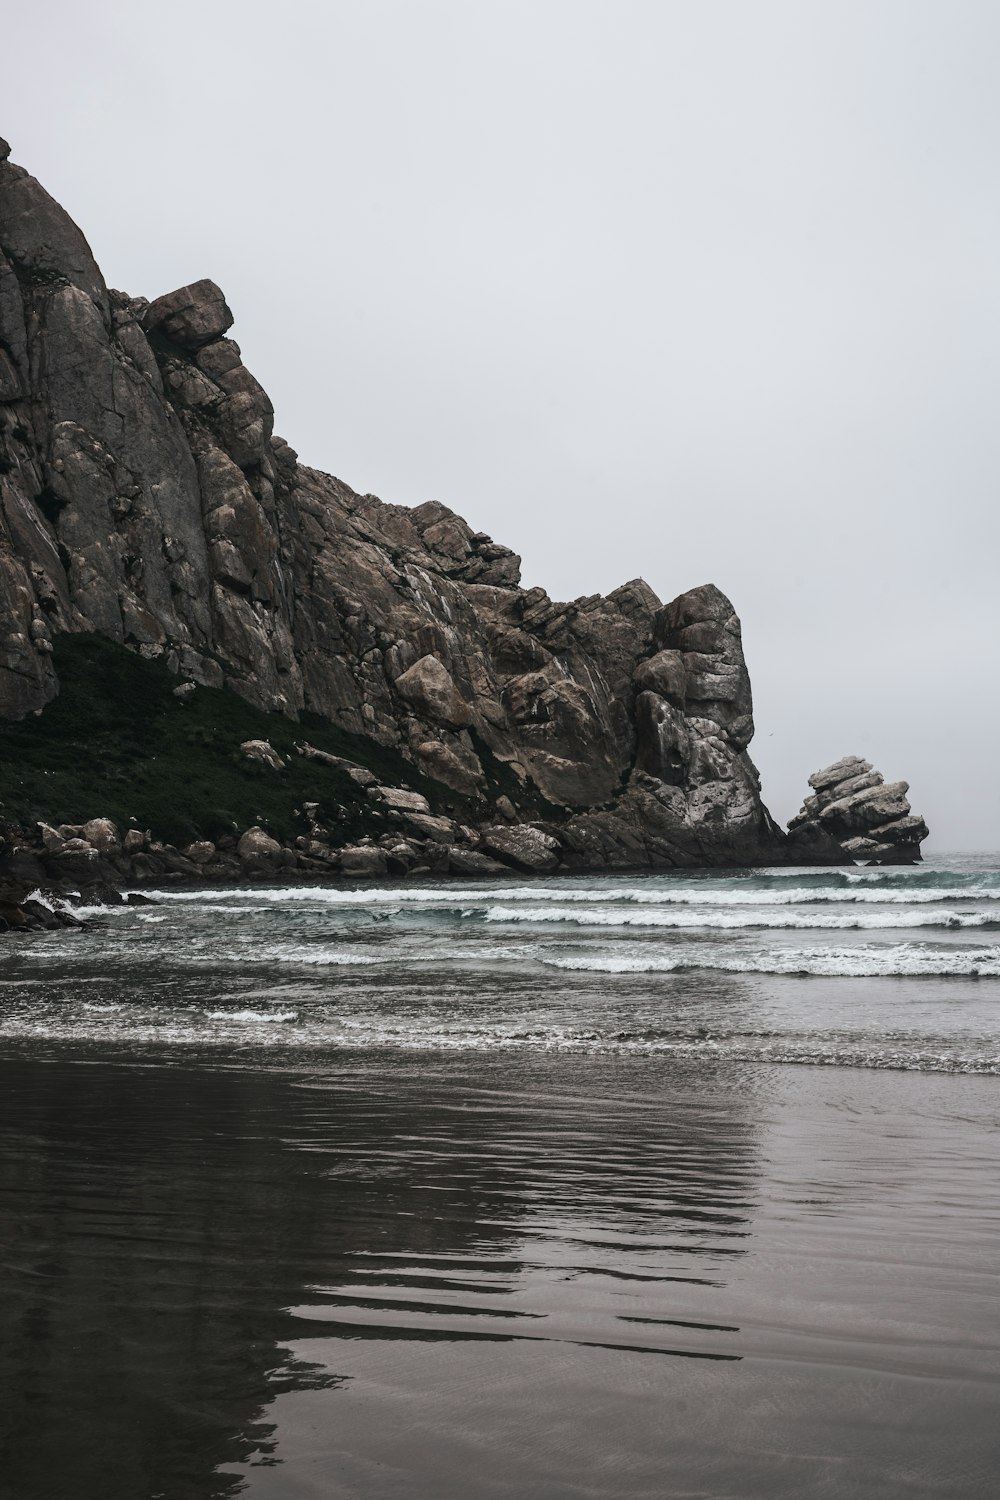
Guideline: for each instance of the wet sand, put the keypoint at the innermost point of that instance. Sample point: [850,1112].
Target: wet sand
[388,1274]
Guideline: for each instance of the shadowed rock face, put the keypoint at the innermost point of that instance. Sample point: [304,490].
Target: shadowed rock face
[853,807]
[144,496]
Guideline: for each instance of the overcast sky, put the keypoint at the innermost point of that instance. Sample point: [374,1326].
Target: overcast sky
[701,291]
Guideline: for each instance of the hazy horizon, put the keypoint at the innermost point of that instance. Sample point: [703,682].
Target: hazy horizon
[697,293]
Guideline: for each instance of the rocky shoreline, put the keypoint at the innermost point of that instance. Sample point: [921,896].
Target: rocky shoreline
[250,670]
[45,870]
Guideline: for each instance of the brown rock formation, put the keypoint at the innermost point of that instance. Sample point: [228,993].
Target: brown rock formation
[143,495]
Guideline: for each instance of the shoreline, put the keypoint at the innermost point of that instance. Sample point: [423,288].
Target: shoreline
[93,863]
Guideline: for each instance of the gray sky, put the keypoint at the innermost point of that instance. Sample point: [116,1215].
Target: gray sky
[698,291]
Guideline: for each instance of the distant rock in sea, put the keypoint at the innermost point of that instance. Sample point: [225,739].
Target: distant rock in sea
[855,808]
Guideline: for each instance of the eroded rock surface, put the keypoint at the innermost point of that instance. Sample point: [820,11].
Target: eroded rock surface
[853,808]
[145,496]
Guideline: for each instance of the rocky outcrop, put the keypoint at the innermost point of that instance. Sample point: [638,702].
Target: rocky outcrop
[853,809]
[144,496]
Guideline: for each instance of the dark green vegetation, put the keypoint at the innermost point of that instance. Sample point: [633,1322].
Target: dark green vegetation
[117,743]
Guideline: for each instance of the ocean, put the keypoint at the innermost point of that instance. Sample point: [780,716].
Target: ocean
[608,1187]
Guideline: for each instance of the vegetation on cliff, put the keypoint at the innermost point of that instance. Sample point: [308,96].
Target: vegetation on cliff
[118,742]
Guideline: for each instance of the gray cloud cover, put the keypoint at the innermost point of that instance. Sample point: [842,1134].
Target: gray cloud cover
[687,290]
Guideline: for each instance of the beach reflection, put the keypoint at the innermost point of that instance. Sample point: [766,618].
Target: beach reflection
[191,1249]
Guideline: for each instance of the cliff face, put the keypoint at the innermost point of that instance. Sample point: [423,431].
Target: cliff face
[144,496]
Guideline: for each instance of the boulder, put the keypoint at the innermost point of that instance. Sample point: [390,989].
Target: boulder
[664,674]
[259,846]
[430,688]
[522,847]
[191,316]
[363,862]
[358,774]
[102,834]
[402,801]
[842,770]
[438,830]
[52,840]
[263,753]
[469,862]
[462,772]
[200,853]
[866,809]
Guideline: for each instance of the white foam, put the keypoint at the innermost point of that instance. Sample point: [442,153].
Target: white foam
[732,920]
[897,961]
[738,893]
[286,953]
[249,1016]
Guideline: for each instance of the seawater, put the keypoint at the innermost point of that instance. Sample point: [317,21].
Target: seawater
[727,965]
[623,1186]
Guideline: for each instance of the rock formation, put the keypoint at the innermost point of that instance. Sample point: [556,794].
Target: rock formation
[854,808]
[145,497]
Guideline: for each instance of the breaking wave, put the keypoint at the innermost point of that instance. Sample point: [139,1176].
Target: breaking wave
[839,968]
[737,920]
[896,961]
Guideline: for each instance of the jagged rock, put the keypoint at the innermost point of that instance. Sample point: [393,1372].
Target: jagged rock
[863,816]
[144,496]
[524,847]
[43,915]
[403,801]
[53,841]
[263,753]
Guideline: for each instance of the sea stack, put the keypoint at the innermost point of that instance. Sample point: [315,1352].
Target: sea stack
[868,817]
